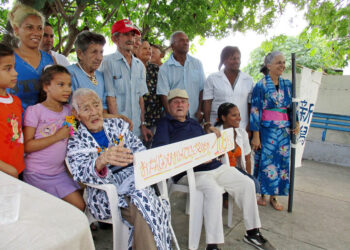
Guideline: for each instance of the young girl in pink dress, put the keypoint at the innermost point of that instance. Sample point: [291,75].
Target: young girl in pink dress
[45,138]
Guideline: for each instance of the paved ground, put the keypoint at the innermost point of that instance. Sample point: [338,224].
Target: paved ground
[320,217]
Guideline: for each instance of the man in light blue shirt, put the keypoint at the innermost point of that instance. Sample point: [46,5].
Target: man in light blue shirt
[182,71]
[125,78]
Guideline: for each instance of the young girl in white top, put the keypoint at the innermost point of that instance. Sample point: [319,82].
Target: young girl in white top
[229,117]
[45,138]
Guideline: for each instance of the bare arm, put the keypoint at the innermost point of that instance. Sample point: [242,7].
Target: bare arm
[123,117]
[8,169]
[256,140]
[207,109]
[248,164]
[199,114]
[146,133]
[112,105]
[32,145]
[164,100]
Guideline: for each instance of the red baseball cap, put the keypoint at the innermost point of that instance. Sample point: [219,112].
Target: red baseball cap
[124,26]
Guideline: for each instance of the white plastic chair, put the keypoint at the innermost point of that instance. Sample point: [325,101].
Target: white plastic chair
[120,230]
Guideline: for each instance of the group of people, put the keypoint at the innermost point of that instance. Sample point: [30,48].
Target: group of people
[124,102]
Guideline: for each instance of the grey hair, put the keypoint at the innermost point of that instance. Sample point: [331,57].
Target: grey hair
[172,37]
[270,56]
[268,60]
[78,93]
[85,38]
[116,34]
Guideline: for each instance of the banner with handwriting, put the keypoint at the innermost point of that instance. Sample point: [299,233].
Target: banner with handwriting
[154,165]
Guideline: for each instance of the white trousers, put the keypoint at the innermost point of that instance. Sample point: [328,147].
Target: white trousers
[212,184]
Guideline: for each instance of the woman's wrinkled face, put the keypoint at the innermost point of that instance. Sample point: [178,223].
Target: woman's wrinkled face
[144,52]
[90,112]
[30,31]
[232,119]
[277,66]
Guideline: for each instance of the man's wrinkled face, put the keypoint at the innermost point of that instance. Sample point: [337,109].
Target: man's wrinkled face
[47,40]
[178,108]
[125,41]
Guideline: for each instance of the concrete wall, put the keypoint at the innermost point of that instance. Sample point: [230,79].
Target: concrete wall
[333,95]
[333,98]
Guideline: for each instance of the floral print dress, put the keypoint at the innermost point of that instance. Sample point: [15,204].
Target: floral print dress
[153,106]
[272,161]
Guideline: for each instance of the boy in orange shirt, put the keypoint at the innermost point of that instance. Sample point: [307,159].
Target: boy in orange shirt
[11,136]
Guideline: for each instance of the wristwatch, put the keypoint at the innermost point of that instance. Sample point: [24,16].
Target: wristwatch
[143,123]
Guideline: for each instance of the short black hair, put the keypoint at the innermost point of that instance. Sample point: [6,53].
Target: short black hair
[48,24]
[5,50]
[227,52]
[85,38]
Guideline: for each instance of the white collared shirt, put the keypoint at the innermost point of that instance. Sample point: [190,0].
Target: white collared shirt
[219,89]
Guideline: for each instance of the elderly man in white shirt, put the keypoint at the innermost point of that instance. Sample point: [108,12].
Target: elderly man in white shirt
[228,85]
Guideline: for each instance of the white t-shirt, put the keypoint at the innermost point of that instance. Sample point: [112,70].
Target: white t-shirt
[218,88]
[60,59]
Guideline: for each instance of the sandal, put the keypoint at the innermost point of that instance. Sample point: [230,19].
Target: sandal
[275,204]
[261,201]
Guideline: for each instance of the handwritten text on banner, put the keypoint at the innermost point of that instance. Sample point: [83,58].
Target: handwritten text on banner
[160,163]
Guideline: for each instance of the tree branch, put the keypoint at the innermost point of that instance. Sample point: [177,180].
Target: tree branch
[145,14]
[109,16]
[126,10]
[61,10]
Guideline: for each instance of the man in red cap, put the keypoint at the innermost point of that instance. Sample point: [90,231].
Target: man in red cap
[125,78]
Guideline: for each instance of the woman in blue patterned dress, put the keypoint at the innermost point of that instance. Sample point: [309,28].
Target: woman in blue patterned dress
[269,122]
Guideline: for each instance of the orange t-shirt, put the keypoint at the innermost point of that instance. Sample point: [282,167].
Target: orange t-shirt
[233,155]
[11,135]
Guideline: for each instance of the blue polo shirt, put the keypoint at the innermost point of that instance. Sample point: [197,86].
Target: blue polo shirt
[189,77]
[169,130]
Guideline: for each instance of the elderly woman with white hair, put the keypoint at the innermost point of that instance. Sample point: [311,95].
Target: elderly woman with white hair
[101,152]
[270,123]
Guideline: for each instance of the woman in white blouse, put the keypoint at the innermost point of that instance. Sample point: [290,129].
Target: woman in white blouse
[228,85]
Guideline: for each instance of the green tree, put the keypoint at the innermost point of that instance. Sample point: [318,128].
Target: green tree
[158,19]
[330,20]
[314,54]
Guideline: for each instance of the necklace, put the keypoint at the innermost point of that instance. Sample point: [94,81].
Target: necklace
[92,78]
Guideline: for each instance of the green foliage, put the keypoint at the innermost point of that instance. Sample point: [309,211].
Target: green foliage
[314,54]
[331,20]
[3,22]
[159,18]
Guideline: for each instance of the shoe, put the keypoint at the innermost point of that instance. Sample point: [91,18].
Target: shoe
[258,241]
[212,247]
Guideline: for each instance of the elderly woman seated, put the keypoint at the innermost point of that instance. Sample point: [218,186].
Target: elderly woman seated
[101,152]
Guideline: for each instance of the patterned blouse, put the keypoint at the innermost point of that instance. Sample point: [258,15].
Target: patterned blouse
[153,105]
